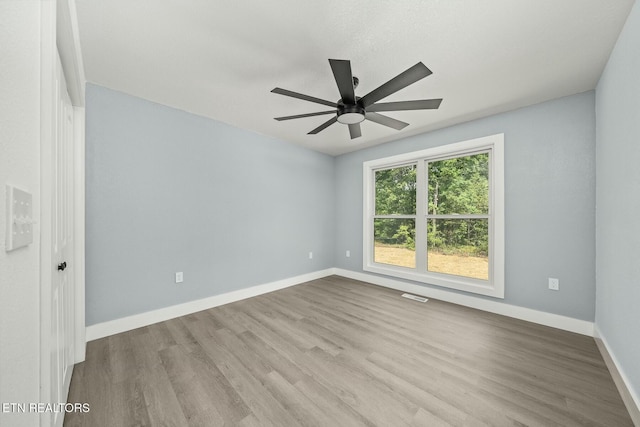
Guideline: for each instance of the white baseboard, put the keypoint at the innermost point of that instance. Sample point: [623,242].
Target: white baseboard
[124,324]
[112,327]
[628,394]
[578,326]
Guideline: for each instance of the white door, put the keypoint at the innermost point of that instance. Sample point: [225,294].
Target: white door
[62,284]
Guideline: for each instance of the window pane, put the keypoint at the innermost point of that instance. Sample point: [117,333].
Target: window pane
[396,191]
[459,247]
[394,242]
[459,186]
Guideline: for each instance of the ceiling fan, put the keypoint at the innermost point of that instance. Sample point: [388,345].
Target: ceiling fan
[351,109]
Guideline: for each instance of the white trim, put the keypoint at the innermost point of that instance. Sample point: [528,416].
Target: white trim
[497,244]
[628,394]
[494,287]
[448,150]
[48,54]
[124,324]
[421,220]
[78,233]
[570,324]
[70,53]
[68,41]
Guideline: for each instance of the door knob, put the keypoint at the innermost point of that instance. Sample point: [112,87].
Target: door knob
[62,266]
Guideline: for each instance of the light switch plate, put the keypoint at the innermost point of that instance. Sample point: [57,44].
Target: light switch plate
[19,218]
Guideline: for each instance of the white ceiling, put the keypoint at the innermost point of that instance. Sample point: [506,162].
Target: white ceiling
[220,59]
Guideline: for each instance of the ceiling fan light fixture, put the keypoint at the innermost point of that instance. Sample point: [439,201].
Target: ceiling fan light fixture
[350,118]
[350,114]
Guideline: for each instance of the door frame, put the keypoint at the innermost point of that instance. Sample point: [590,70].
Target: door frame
[68,43]
[59,36]
[79,233]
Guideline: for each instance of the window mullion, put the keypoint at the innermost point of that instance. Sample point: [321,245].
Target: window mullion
[459,216]
[421,218]
[394,216]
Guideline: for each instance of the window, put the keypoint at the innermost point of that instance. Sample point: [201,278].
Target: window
[437,216]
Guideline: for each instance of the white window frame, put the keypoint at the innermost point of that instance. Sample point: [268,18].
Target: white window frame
[494,144]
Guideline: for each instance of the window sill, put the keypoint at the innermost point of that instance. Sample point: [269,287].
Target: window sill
[470,285]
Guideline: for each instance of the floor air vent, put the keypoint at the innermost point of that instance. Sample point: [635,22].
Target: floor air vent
[415,297]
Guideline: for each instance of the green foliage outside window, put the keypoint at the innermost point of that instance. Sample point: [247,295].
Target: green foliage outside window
[458,186]
[396,195]
[396,191]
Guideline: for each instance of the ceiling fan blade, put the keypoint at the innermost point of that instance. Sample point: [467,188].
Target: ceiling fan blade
[423,104]
[402,80]
[344,79]
[355,131]
[299,116]
[292,94]
[324,126]
[386,120]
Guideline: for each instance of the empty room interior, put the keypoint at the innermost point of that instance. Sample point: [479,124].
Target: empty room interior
[332,213]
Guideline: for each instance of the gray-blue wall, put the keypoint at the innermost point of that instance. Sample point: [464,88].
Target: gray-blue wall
[618,201]
[169,191]
[549,200]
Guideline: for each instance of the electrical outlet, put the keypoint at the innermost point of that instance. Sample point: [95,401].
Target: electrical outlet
[179,277]
[348,254]
[310,255]
[554,284]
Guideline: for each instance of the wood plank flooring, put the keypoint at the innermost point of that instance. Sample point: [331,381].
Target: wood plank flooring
[338,352]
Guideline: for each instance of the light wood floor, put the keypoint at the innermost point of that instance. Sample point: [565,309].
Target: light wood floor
[338,352]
